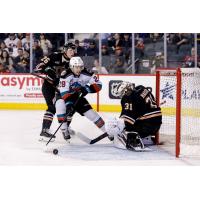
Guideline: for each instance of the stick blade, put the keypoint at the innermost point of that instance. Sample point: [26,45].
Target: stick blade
[83,138]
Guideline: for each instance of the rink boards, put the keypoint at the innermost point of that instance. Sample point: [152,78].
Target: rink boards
[23,91]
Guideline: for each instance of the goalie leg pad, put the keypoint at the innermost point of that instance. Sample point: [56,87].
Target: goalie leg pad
[119,141]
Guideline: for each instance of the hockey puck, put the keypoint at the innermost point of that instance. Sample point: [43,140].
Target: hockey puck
[55,151]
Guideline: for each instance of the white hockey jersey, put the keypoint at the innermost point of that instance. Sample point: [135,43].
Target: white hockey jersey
[70,84]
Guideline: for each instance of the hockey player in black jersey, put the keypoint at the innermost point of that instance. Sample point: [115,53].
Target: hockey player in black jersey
[140,116]
[52,66]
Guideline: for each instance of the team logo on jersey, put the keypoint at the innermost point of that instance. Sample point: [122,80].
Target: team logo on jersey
[113,85]
[168,91]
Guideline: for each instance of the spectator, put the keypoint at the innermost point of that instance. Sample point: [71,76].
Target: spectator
[119,54]
[189,60]
[3,46]
[26,42]
[92,50]
[27,60]
[80,51]
[15,49]
[119,66]
[11,42]
[155,36]
[116,41]
[104,51]
[180,39]
[139,48]
[127,44]
[21,62]
[119,51]
[99,69]
[104,38]
[157,62]
[3,69]
[37,53]
[6,61]
[45,44]
[20,36]
[3,36]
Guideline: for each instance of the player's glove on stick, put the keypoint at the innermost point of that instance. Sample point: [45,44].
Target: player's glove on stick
[84,91]
[69,109]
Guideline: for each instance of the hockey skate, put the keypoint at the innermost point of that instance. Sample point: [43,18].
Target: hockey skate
[45,136]
[66,134]
[134,142]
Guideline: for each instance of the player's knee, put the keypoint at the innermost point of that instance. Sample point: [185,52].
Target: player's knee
[92,115]
[60,106]
[61,110]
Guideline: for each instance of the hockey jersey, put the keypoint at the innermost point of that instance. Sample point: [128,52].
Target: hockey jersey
[52,66]
[139,105]
[70,84]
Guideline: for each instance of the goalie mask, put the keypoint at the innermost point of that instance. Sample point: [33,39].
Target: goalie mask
[76,65]
[124,88]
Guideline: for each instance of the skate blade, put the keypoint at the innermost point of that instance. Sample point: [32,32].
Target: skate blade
[45,139]
[67,141]
[139,149]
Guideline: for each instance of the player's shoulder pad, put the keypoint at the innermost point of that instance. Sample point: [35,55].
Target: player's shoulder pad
[55,55]
[87,72]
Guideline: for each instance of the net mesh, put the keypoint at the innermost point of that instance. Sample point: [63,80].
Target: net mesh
[190,109]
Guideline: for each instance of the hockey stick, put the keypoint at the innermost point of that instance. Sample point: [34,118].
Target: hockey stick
[39,76]
[44,78]
[80,95]
[93,141]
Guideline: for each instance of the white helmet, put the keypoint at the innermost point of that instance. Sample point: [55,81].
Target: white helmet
[76,65]
[124,88]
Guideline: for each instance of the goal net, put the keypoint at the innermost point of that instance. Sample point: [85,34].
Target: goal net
[178,93]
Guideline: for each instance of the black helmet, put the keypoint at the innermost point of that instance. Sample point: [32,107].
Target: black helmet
[69,45]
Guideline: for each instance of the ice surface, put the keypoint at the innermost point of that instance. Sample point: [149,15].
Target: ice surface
[19,145]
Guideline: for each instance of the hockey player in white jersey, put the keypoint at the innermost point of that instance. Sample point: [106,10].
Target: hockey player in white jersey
[73,82]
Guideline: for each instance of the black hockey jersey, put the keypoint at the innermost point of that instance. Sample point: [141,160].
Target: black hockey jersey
[139,105]
[52,66]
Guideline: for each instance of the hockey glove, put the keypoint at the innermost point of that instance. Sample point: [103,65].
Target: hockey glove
[84,90]
[69,109]
[39,68]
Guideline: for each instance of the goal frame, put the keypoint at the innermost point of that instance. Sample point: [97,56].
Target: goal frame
[178,104]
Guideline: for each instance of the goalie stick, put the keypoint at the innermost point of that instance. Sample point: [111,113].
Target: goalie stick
[93,141]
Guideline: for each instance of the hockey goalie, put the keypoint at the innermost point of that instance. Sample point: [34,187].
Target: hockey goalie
[140,118]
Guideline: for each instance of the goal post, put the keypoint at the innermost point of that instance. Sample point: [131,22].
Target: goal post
[178,94]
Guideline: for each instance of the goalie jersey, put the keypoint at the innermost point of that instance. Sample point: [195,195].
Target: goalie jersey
[140,105]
